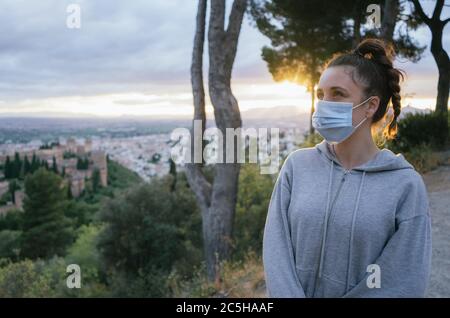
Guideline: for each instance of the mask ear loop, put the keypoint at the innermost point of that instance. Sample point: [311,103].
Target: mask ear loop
[362,121]
[362,102]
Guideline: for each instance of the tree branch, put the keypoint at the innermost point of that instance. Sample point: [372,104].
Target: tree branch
[199,184]
[194,173]
[197,64]
[438,10]
[235,19]
[420,11]
[234,28]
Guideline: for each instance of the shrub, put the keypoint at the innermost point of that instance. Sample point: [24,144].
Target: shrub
[418,129]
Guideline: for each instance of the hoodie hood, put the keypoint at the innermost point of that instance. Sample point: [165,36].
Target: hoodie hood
[384,160]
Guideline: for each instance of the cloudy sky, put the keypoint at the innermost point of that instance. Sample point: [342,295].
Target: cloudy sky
[133,58]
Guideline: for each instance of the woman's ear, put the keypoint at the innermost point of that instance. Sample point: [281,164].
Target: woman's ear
[374,103]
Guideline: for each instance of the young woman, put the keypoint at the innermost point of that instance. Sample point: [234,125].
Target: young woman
[347,219]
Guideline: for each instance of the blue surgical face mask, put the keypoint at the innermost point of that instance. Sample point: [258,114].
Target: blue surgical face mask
[333,120]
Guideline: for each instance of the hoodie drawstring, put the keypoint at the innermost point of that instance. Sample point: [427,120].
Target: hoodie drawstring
[325,230]
[324,235]
[350,247]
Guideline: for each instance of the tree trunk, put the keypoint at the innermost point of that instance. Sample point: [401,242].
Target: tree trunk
[443,64]
[217,201]
[439,54]
[389,19]
[357,13]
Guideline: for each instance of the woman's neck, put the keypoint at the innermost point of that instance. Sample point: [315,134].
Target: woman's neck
[355,152]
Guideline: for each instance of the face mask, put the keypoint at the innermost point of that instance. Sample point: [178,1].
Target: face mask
[333,120]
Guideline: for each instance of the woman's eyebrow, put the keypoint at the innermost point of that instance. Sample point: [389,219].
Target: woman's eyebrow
[338,88]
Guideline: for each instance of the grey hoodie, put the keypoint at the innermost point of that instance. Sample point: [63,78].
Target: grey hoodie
[326,227]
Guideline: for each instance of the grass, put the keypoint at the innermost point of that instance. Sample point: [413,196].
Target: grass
[240,279]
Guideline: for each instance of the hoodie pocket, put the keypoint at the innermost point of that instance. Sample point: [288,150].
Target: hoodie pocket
[327,287]
[307,279]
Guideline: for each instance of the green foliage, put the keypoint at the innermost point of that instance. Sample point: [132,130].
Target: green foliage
[251,210]
[13,187]
[26,279]
[420,129]
[69,155]
[148,282]
[311,140]
[11,220]
[9,244]
[120,177]
[82,163]
[80,212]
[96,182]
[46,231]
[54,166]
[422,157]
[43,279]
[151,229]
[19,169]
[238,279]
[84,252]
[303,34]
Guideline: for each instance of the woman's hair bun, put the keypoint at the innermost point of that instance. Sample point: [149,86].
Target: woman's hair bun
[376,50]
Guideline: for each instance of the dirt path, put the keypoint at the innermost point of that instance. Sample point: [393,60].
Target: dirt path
[438,186]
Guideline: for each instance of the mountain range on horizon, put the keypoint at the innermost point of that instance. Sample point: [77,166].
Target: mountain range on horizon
[261,113]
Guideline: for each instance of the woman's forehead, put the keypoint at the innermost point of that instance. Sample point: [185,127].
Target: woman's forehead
[338,76]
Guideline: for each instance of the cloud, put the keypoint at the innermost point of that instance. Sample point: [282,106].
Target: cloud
[141,46]
[121,45]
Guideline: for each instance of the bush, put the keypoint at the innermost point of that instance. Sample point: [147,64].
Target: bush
[254,194]
[11,220]
[84,252]
[420,129]
[422,158]
[149,232]
[10,244]
[311,140]
[44,279]
[26,279]
[238,279]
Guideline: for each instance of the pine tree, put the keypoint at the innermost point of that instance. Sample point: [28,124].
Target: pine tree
[34,163]
[173,172]
[46,230]
[45,165]
[96,180]
[26,166]
[54,166]
[17,165]
[8,172]
[69,192]
[13,187]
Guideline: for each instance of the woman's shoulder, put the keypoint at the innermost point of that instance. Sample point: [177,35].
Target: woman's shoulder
[302,154]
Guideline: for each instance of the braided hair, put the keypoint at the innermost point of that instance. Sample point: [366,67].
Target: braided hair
[373,63]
